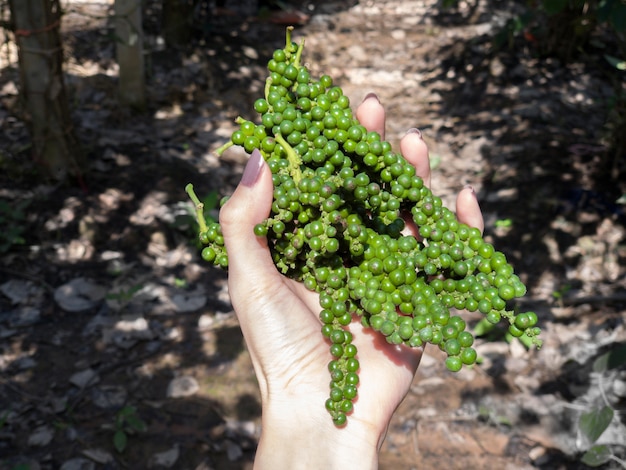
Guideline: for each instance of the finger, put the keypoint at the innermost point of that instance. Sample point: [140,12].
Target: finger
[249,205]
[371,114]
[415,150]
[468,210]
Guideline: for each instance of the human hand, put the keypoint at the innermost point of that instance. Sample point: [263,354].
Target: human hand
[280,322]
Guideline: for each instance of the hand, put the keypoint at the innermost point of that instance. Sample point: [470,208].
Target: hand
[280,323]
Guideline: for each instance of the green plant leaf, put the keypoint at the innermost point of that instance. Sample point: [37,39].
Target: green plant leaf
[120,440]
[127,411]
[504,223]
[136,423]
[553,7]
[614,11]
[210,200]
[593,423]
[612,359]
[596,456]
[449,3]
[619,64]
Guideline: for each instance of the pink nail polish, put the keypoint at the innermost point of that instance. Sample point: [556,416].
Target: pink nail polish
[371,95]
[470,187]
[253,169]
[415,130]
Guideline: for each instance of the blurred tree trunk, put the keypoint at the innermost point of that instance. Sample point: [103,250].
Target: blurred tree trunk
[36,25]
[129,51]
[176,21]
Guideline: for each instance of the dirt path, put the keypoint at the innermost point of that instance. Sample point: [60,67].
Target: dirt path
[107,314]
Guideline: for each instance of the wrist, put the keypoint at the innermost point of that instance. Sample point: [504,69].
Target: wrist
[298,438]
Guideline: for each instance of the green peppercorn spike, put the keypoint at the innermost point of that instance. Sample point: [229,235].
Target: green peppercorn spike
[340,195]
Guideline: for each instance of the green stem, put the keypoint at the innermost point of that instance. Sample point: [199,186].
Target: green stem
[268,84]
[199,207]
[292,157]
[229,144]
[296,61]
[223,148]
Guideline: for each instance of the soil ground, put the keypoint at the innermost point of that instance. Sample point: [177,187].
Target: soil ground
[107,311]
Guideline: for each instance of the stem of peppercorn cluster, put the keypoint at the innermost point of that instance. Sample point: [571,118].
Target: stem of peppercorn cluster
[219,151]
[296,61]
[266,92]
[288,36]
[199,207]
[292,157]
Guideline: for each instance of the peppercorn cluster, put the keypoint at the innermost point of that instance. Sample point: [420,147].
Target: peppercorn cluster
[341,199]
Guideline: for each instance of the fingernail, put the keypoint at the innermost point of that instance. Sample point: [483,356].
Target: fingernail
[471,188]
[253,169]
[371,96]
[415,130]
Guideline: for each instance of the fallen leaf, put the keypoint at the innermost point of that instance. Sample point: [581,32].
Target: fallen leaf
[79,294]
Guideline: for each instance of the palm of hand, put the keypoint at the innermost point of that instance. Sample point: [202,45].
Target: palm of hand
[293,357]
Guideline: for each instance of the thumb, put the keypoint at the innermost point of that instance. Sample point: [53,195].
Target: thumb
[249,205]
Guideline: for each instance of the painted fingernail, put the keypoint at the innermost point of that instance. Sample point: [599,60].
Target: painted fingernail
[253,169]
[371,96]
[471,188]
[415,130]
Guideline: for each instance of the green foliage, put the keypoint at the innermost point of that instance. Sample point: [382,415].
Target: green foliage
[559,294]
[596,456]
[14,224]
[562,26]
[210,202]
[124,296]
[490,415]
[127,421]
[612,12]
[504,223]
[574,22]
[449,3]
[612,359]
[566,29]
[594,422]
[552,7]
[619,64]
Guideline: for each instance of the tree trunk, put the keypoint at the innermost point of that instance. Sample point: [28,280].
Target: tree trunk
[129,35]
[36,26]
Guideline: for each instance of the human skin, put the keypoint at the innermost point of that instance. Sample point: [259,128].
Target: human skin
[279,319]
